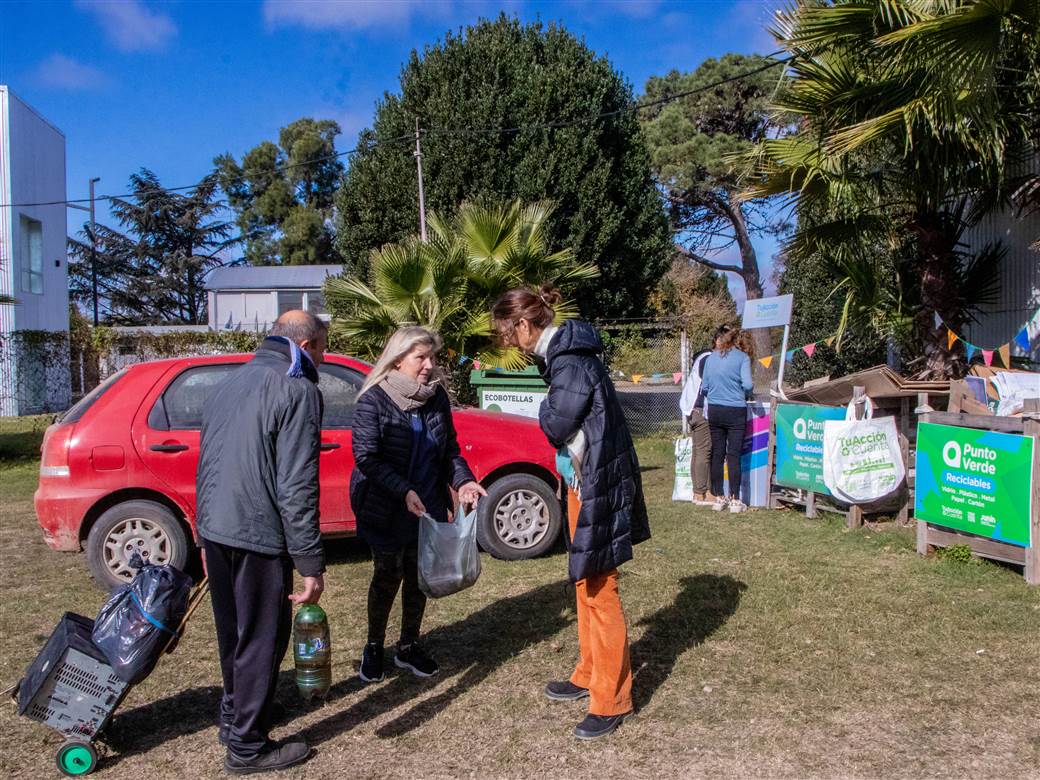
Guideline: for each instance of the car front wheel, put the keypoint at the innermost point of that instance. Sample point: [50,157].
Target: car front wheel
[520,518]
[146,528]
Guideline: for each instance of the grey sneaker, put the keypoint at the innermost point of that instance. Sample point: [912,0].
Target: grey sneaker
[719,505]
[274,756]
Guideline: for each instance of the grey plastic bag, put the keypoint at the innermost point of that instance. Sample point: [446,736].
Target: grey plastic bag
[449,560]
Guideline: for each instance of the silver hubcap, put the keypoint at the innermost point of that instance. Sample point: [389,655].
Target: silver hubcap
[135,535]
[521,519]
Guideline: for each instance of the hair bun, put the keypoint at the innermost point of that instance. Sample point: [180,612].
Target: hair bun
[550,295]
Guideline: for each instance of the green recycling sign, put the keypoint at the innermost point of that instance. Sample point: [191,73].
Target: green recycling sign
[799,445]
[976,481]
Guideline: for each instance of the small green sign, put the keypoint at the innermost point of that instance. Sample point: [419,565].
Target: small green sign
[975,481]
[799,445]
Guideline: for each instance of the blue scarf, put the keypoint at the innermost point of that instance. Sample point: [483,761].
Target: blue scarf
[298,355]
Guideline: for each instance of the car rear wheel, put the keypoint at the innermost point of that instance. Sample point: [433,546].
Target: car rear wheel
[143,527]
[520,518]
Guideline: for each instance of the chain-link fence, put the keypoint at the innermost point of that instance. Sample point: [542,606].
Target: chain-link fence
[34,372]
[645,359]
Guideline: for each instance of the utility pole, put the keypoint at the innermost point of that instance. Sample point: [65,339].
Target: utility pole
[93,250]
[422,198]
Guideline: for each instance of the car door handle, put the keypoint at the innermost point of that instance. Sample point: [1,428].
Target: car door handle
[329,445]
[168,447]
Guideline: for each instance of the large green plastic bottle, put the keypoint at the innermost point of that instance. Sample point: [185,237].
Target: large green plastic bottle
[312,651]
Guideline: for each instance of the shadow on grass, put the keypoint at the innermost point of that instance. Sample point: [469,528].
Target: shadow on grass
[701,608]
[469,650]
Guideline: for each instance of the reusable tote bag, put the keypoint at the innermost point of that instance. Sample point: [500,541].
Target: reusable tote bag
[683,490]
[862,461]
[448,557]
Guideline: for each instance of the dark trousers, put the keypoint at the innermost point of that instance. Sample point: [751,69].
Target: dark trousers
[390,569]
[727,425]
[251,607]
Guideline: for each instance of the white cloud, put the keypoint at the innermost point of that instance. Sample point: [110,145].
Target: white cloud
[64,72]
[129,24]
[348,14]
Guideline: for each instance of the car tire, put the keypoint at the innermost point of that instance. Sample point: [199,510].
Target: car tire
[520,518]
[146,527]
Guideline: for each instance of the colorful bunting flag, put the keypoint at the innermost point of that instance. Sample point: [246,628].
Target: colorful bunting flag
[1005,355]
[829,341]
[1022,339]
[676,377]
[637,377]
[936,319]
[767,361]
[951,339]
[987,356]
[971,350]
[789,355]
[808,349]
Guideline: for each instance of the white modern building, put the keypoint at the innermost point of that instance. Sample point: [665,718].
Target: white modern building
[252,297]
[34,369]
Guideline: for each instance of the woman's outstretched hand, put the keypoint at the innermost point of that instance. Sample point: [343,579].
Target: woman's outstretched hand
[470,494]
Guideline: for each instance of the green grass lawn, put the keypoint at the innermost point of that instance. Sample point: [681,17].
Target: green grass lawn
[763,645]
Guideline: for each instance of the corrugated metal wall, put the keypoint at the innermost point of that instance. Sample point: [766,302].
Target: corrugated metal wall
[1019,296]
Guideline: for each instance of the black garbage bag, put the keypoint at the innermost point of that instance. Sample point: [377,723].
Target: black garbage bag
[139,620]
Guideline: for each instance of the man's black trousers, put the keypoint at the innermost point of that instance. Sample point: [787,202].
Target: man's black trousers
[251,607]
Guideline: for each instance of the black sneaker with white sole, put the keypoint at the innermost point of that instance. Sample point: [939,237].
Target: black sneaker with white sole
[596,726]
[372,663]
[412,656]
[565,691]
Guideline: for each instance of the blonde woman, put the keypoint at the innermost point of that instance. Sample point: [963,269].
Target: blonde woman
[407,456]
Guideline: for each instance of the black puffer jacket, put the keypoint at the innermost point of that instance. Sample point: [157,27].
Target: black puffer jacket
[382,444]
[257,479]
[582,397]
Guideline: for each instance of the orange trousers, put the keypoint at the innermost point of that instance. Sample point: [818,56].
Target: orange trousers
[604,666]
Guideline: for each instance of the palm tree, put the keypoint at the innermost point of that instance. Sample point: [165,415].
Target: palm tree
[913,116]
[449,282]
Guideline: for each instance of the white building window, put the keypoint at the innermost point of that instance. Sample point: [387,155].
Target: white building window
[32,256]
[316,303]
[289,300]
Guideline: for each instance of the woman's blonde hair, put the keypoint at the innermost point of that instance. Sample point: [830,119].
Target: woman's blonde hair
[399,345]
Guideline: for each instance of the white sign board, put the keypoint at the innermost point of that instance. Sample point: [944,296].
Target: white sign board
[767,312]
[522,402]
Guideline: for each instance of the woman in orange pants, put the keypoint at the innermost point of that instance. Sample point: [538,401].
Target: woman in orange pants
[582,418]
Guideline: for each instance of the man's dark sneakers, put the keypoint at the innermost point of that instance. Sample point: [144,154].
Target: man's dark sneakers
[372,663]
[595,726]
[565,691]
[278,713]
[412,656]
[274,756]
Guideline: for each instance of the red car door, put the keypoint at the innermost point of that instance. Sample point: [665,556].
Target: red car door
[167,427]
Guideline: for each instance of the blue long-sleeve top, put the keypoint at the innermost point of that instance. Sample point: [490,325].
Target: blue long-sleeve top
[727,378]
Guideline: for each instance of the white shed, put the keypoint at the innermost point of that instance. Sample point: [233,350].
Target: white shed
[253,297]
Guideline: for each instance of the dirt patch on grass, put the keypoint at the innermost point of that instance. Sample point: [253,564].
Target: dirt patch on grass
[764,645]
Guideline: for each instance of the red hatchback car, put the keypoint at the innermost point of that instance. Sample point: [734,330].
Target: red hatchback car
[117,473]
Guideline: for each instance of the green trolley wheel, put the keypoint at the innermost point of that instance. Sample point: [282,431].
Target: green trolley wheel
[76,758]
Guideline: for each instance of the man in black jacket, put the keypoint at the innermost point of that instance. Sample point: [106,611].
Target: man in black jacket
[258,518]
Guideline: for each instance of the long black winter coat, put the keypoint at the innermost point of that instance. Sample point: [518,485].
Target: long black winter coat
[257,479]
[382,444]
[582,397]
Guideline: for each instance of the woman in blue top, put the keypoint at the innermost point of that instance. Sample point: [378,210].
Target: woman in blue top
[727,386]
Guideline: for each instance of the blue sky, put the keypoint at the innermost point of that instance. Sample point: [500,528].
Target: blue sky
[168,86]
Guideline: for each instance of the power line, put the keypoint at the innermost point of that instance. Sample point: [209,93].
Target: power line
[465,132]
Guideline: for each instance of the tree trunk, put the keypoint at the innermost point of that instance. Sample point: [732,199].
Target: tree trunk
[936,243]
[748,270]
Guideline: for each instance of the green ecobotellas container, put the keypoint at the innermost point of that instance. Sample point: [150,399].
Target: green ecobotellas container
[312,651]
[514,392]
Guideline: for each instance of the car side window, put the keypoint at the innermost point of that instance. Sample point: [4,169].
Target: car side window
[339,387]
[179,408]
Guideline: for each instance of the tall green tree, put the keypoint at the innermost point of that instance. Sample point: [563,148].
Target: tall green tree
[153,271]
[449,282]
[696,142]
[283,194]
[499,78]
[912,116]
